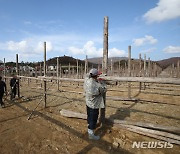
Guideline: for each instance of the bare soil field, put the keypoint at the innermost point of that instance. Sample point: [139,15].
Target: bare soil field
[48,132]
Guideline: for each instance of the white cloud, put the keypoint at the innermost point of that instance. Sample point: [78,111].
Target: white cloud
[165,10]
[90,50]
[172,49]
[17,46]
[144,40]
[25,48]
[114,52]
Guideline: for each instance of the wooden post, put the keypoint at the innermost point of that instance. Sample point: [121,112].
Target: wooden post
[178,69]
[140,67]
[144,69]
[81,71]
[57,72]
[140,71]
[149,67]
[17,66]
[40,70]
[125,66]
[119,67]
[111,67]
[86,65]
[104,65]
[60,71]
[4,70]
[36,73]
[77,68]
[144,65]
[172,69]
[69,70]
[129,71]
[105,46]
[45,74]
[17,73]
[133,71]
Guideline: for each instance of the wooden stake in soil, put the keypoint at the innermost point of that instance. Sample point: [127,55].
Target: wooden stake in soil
[17,73]
[144,65]
[119,67]
[129,71]
[69,70]
[111,67]
[4,70]
[57,72]
[44,74]
[77,68]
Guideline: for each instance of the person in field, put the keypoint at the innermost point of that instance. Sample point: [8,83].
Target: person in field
[13,85]
[2,91]
[94,92]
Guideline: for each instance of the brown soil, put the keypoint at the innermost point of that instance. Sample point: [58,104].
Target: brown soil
[48,132]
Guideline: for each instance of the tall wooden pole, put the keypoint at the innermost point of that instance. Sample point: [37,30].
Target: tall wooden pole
[17,66]
[4,70]
[45,59]
[104,64]
[45,75]
[140,72]
[17,73]
[129,71]
[105,46]
[57,72]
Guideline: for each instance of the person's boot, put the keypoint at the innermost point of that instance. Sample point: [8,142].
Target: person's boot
[92,136]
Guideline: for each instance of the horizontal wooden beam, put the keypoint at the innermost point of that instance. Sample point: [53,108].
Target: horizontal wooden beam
[175,81]
[147,129]
[143,79]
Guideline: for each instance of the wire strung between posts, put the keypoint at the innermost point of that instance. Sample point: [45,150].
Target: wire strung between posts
[38,103]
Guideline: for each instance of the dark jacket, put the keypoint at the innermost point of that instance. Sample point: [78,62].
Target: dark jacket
[2,86]
[13,83]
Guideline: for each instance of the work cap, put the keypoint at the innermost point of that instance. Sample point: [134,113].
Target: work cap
[94,72]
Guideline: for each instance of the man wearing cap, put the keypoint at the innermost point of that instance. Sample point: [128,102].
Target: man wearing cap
[94,92]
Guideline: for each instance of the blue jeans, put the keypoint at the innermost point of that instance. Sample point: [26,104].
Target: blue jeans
[92,116]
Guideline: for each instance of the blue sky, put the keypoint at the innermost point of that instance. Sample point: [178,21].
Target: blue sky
[75,28]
